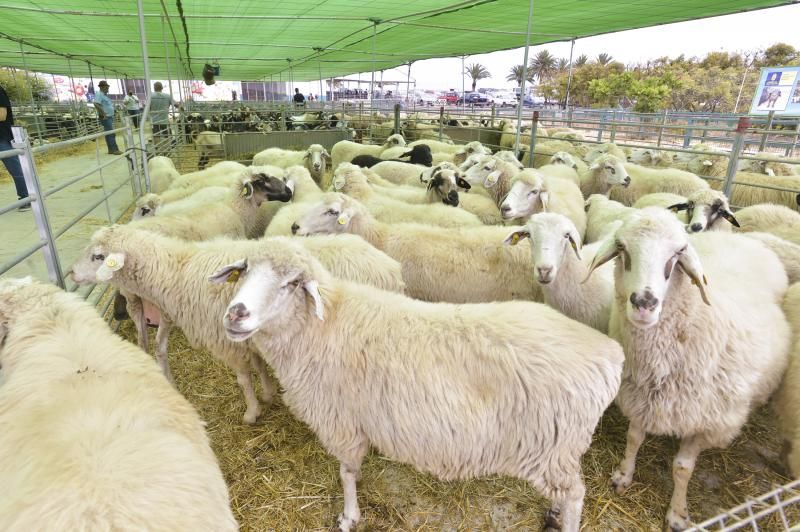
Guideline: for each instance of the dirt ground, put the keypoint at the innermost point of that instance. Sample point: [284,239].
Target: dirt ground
[280,478]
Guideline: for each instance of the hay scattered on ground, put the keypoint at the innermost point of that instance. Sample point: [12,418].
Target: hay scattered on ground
[280,478]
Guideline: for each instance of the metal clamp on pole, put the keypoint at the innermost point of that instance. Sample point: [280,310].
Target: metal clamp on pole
[736,150]
[534,127]
[21,141]
[396,118]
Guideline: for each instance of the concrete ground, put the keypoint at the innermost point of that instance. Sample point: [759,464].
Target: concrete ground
[18,229]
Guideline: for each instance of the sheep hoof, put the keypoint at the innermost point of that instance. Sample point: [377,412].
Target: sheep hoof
[677,522]
[552,520]
[620,482]
[251,415]
[346,523]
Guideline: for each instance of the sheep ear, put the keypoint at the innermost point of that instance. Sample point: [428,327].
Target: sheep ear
[728,215]
[229,273]
[575,167]
[247,190]
[544,198]
[678,207]
[514,238]
[769,172]
[574,238]
[491,179]
[606,252]
[690,264]
[312,289]
[307,155]
[463,183]
[407,154]
[114,262]
[326,155]
[435,182]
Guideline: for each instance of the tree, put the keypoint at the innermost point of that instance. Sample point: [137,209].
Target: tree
[18,85]
[581,60]
[516,75]
[543,65]
[779,54]
[477,71]
[604,59]
[562,66]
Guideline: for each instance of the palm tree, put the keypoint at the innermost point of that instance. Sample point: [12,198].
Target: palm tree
[604,59]
[516,75]
[477,71]
[581,60]
[543,65]
[562,66]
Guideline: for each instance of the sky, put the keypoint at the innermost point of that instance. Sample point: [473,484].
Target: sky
[731,33]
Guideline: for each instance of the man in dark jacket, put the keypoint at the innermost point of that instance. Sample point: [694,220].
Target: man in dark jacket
[11,163]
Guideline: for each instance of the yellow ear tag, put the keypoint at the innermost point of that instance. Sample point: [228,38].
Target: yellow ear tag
[342,220]
[514,239]
[234,276]
[243,194]
[111,263]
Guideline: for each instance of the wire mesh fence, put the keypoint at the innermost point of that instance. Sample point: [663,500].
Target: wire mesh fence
[767,512]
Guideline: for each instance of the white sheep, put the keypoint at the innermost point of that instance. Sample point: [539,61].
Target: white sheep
[455,390]
[663,200]
[437,146]
[605,172]
[601,213]
[94,437]
[399,173]
[767,217]
[306,193]
[561,171]
[315,159]
[544,150]
[162,173]
[768,167]
[650,157]
[208,143]
[602,149]
[645,180]
[350,179]
[788,252]
[152,204]
[569,160]
[503,155]
[171,274]
[212,175]
[692,328]
[561,270]
[468,265]
[532,192]
[705,210]
[788,397]
[751,188]
[493,174]
[344,150]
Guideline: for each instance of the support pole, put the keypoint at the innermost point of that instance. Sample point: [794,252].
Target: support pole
[569,77]
[534,127]
[463,90]
[408,82]
[763,143]
[319,72]
[441,122]
[146,61]
[741,88]
[661,129]
[372,79]
[166,55]
[396,118]
[736,150]
[37,116]
[524,75]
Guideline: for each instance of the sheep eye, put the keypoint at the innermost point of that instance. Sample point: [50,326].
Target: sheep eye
[611,169]
[620,246]
[98,257]
[487,168]
[331,212]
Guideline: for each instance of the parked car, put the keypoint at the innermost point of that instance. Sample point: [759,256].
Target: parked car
[449,97]
[473,98]
[425,97]
[503,99]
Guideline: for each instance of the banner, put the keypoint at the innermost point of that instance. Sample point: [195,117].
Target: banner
[778,90]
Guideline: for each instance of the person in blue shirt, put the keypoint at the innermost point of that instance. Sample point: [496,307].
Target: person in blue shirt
[105,113]
[12,164]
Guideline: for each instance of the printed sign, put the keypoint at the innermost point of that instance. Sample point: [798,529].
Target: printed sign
[778,90]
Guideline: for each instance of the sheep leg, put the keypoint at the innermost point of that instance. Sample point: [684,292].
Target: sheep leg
[623,476]
[565,513]
[136,312]
[350,472]
[162,351]
[268,387]
[682,469]
[245,381]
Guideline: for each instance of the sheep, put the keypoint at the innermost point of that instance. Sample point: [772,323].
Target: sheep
[171,273]
[706,210]
[788,252]
[567,159]
[604,173]
[561,275]
[645,180]
[495,175]
[768,167]
[776,219]
[686,349]
[306,193]
[711,164]
[561,171]
[315,159]
[437,146]
[565,133]
[531,192]
[470,148]
[457,391]
[418,155]
[544,150]
[788,396]
[93,436]
[503,155]
[152,204]
[661,199]
[213,175]
[650,157]
[750,189]
[162,172]
[208,143]
[345,150]
[601,213]
[350,180]
[400,151]
[399,173]
[602,149]
[468,265]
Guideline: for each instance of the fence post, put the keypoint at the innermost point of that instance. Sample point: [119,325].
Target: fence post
[603,119]
[661,129]
[133,157]
[534,127]
[494,113]
[283,118]
[397,118]
[441,122]
[569,117]
[21,141]
[763,143]
[613,137]
[790,148]
[687,136]
[736,150]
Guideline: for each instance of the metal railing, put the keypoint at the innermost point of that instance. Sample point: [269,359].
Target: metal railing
[754,514]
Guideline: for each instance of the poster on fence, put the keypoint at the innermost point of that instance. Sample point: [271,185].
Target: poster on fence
[778,90]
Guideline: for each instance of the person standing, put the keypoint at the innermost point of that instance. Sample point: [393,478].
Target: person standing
[299,99]
[159,114]
[105,113]
[12,164]
[131,102]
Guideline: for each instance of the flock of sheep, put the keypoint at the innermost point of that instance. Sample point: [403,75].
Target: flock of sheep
[441,303]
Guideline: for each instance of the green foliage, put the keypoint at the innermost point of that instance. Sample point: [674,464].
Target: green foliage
[19,86]
[543,66]
[477,71]
[515,74]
